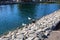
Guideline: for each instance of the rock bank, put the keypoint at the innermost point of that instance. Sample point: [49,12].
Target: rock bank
[35,31]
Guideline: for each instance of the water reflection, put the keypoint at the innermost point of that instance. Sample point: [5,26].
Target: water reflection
[44,9]
[12,16]
[27,10]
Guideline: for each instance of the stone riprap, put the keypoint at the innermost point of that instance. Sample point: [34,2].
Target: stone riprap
[35,31]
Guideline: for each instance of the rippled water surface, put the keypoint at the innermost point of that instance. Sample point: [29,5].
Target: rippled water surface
[12,16]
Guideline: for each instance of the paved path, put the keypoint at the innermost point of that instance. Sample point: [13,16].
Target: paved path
[55,35]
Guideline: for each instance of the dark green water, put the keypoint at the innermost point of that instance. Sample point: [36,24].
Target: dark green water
[12,16]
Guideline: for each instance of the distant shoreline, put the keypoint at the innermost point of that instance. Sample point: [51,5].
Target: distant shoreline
[6,3]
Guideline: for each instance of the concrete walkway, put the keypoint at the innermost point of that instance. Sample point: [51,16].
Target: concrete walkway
[55,35]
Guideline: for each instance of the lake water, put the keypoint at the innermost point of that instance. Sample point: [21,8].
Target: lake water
[12,16]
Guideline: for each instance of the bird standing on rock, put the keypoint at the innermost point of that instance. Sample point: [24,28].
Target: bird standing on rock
[33,21]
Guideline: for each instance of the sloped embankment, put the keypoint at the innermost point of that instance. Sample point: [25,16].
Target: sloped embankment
[35,31]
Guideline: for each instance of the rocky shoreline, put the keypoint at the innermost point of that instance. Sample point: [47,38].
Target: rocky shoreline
[35,31]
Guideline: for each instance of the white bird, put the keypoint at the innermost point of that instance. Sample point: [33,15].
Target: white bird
[29,18]
[23,24]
